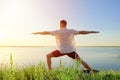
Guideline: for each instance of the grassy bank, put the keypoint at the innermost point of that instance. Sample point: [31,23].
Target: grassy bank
[40,72]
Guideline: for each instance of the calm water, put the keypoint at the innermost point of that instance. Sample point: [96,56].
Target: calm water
[97,57]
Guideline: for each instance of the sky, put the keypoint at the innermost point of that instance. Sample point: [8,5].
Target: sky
[19,18]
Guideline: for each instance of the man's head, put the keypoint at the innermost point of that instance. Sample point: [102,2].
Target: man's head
[63,24]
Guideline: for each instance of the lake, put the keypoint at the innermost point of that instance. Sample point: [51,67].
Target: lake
[97,57]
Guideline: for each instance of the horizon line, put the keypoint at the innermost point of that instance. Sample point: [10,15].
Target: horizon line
[56,46]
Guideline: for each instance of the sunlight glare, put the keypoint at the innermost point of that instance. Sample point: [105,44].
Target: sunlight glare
[2,36]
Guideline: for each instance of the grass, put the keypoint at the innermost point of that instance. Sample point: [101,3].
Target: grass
[41,72]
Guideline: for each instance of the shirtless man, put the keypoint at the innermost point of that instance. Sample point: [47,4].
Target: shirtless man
[65,42]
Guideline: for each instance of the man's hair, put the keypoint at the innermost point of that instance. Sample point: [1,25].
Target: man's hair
[63,21]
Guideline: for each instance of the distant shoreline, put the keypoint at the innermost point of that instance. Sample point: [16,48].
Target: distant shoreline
[55,46]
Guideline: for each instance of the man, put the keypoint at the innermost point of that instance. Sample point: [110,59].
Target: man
[65,43]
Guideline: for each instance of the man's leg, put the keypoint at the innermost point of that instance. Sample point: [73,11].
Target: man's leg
[55,53]
[49,56]
[84,63]
[74,55]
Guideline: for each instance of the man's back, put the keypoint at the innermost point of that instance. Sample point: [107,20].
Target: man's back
[65,39]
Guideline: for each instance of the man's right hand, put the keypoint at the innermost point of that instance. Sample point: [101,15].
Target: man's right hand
[94,32]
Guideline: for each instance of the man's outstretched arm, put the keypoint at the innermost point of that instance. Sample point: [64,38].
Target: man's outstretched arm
[42,33]
[88,32]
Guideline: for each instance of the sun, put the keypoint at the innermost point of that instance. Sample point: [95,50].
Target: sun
[2,36]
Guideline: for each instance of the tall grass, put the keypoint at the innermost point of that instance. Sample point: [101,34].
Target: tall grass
[41,72]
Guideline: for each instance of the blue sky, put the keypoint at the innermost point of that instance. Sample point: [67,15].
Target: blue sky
[19,18]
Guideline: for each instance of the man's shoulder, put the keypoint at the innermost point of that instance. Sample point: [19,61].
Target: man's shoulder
[72,30]
[55,32]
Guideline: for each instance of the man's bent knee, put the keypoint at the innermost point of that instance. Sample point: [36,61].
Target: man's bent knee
[49,55]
